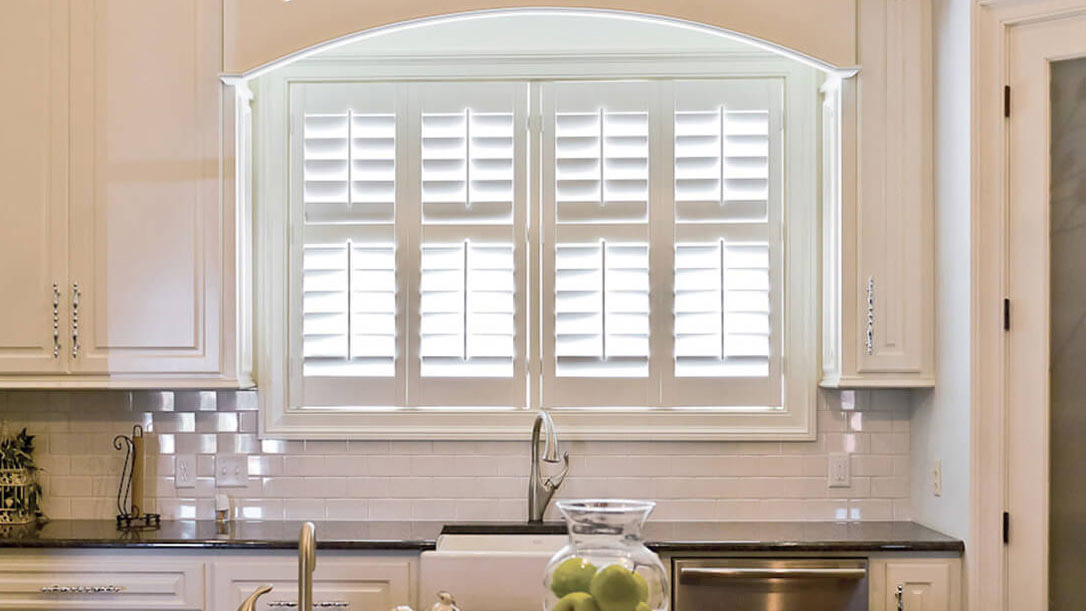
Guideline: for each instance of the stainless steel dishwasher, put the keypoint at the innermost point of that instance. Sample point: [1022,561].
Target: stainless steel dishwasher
[769,584]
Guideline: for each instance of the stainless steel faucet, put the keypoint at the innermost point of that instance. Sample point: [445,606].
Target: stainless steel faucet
[540,488]
[307,562]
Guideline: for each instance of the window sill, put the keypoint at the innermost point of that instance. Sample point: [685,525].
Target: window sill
[706,424]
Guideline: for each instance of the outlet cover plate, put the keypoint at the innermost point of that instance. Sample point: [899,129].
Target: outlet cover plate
[840,473]
[184,471]
[231,471]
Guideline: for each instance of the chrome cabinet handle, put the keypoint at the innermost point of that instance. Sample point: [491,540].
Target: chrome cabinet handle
[75,320]
[328,604]
[869,341]
[900,595]
[56,321]
[108,589]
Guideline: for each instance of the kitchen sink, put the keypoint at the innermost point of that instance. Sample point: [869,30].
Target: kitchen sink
[488,572]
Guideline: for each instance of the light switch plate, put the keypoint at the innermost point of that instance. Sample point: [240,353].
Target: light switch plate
[231,471]
[840,474]
[184,471]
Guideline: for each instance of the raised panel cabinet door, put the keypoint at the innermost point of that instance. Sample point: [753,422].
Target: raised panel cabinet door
[146,239]
[893,245]
[363,584]
[33,163]
[918,587]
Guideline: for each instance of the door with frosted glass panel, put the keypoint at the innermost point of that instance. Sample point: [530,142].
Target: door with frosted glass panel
[1046,342]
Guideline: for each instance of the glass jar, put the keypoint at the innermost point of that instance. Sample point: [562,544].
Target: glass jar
[605,566]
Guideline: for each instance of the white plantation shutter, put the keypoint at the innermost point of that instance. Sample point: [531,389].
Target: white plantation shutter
[343,160]
[655,251]
[727,243]
[472,281]
[597,138]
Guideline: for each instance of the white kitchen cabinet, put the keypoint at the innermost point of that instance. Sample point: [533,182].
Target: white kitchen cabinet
[101,583]
[915,584]
[360,583]
[878,249]
[124,210]
[33,162]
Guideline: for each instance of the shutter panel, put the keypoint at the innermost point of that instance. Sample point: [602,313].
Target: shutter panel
[471,288]
[721,310]
[343,210]
[596,185]
[728,277]
[601,310]
[467,310]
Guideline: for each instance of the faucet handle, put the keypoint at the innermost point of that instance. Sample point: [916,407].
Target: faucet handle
[553,482]
[250,603]
[445,602]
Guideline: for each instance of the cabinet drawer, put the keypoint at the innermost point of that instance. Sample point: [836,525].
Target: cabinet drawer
[350,585]
[101,585]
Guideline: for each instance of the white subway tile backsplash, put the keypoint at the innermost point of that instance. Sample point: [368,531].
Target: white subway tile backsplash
[454,480]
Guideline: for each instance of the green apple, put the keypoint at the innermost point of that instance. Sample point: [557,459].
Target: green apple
[642,586]
[576,601]
[573,575]
[615,588]
[642,607]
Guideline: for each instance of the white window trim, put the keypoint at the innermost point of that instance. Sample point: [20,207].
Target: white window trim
[802,234]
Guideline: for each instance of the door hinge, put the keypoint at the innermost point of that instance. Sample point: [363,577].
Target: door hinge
[1006,100]
[1006,314]
[1006,527]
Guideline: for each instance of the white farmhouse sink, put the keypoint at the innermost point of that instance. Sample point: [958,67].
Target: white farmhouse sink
[488,572]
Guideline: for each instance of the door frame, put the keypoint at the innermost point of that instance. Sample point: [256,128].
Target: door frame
[993,21]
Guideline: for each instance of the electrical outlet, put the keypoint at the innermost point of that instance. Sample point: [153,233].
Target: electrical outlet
[937,478]
[184,471]
[840,475]
[231,471]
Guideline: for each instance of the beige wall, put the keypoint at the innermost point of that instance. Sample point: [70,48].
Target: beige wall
[257,32]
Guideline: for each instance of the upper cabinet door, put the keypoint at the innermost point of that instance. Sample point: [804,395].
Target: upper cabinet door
[878,280]
[33,164]
[146,281]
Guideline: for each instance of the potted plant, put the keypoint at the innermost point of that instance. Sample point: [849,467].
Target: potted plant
[20,490]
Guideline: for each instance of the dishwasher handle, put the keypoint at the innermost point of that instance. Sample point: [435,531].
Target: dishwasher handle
[724,573]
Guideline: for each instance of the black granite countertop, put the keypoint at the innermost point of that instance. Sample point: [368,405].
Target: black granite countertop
[670,537]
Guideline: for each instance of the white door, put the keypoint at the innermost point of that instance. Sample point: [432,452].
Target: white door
[33,165]
[146,244]
[1046,284]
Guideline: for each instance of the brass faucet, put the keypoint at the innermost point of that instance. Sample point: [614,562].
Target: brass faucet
[540,488]
[307,562]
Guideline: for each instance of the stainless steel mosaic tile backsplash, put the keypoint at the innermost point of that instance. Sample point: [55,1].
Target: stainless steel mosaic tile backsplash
[452,480]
